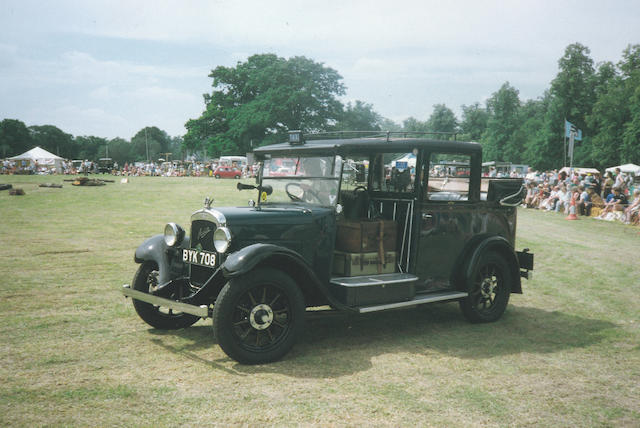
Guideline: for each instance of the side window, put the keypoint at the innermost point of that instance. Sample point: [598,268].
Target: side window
[448,177]
[393,172]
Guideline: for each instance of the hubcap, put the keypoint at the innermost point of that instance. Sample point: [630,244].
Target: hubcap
[261,317]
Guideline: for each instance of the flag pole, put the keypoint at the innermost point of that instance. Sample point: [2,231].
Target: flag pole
[564,152]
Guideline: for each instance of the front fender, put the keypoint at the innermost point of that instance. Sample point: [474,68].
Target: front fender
[247,258]
[244,260]
[156,250]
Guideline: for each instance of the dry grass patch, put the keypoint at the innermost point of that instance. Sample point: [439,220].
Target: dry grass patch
[566,353]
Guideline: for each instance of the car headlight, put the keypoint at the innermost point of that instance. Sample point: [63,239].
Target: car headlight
[222,239]
[173,234]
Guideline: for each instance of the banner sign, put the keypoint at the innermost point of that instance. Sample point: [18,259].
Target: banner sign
[570,128]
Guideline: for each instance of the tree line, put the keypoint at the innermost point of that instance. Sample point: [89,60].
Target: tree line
[259,100]
[150,143]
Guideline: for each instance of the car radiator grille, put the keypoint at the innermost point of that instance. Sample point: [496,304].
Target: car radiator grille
[202,239]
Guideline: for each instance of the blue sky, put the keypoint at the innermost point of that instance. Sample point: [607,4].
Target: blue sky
[111,68]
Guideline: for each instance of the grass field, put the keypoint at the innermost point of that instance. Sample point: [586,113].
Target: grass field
[74,353]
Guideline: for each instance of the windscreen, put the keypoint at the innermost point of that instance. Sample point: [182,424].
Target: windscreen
[304,179]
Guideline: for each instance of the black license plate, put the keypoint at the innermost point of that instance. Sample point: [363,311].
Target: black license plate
[200,258]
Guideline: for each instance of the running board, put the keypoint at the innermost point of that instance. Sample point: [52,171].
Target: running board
[419,300]
[200,311]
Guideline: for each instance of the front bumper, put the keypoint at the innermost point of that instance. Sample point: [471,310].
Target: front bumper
[202,311]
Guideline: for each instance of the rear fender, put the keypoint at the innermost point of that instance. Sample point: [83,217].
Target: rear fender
[501,246]
[156,250]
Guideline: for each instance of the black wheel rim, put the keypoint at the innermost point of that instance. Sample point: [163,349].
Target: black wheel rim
[262,318]
[486,288]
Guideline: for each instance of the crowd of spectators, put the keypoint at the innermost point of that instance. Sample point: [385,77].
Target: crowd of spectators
[614,196]
[85,167]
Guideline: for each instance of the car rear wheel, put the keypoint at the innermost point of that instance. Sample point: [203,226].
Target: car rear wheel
[258,316]
[217,175]
[146,280]
[489,290]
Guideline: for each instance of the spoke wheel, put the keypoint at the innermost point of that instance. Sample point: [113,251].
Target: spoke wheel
[489,290]
[146,280]
[257,317]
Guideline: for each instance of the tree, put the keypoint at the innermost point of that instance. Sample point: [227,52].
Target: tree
[261,99]
[442,119]
[119,150]
[53,139]
[474,121]
[630,69]
[528,136]
[89,147]
[572,98]
[359,117]
[615,118]
[411,124]
[150,143]
[14,138]
[504,120]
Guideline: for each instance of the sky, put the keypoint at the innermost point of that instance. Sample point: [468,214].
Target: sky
[110,68]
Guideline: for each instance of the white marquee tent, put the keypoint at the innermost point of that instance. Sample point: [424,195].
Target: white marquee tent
[43,157]
[627,168]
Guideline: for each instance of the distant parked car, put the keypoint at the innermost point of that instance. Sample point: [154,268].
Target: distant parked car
[227,172]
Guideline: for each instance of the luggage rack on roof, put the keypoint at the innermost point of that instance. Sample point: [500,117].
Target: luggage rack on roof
[336,135]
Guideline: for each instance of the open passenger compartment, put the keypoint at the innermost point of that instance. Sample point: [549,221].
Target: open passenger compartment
[370,258]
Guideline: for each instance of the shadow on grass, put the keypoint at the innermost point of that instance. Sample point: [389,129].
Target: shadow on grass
[336,344]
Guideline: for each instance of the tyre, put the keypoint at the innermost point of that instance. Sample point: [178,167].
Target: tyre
[146,280]
[237,177]
[258,316]
[489,290]
[217,175]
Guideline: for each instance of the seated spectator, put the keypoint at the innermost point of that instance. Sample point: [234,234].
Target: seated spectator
[631,212]
[564,198]
[531,193]
[617,201]
[584,203]
[550,202]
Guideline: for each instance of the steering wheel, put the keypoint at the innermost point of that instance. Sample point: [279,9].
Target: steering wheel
[359,188]
[305,191]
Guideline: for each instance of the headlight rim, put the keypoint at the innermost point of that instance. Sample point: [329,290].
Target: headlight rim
[173,234]
[222,243]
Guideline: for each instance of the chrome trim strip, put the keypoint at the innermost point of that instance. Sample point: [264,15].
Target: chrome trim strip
[199,311]
[210,215]
[416,301]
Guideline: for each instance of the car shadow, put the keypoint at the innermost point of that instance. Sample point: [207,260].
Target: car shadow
[336,344]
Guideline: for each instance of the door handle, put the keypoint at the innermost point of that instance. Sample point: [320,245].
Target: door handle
[426,216]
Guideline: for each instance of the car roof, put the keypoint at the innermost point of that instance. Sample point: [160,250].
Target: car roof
[347,146]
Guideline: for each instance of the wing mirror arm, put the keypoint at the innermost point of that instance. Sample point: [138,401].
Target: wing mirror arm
[267,189]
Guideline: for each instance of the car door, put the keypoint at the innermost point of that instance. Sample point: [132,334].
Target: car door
[445,216]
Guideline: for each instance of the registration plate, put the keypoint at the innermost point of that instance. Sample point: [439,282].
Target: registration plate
[200,258]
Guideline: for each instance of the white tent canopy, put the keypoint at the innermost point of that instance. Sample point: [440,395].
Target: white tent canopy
[627,168]
[43,157]
[581,170]
[407,161]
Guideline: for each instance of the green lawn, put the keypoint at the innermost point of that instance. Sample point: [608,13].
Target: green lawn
[566,353]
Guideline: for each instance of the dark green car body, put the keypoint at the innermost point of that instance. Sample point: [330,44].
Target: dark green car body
[452,239]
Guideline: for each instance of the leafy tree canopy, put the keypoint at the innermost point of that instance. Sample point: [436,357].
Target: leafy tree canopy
[258,100]
[359,116]
[52,139]
[15,138]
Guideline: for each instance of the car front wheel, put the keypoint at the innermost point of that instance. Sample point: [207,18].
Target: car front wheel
[258,316]
[146,280]
[489,290]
